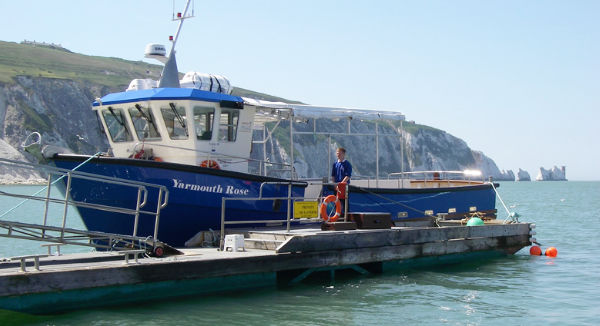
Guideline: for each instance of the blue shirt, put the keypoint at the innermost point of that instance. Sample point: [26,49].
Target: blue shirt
[341,170]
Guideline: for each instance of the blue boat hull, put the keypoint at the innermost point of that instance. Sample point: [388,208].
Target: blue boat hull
[194,203]
[420,203]
[195,198]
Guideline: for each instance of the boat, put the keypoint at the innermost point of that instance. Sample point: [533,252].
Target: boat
[200,142]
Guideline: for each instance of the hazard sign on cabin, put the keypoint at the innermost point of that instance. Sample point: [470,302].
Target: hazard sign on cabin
[305,209]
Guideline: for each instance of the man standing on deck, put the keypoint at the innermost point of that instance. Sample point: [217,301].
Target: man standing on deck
[341,171]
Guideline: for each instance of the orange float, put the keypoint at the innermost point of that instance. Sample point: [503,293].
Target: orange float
[551,252]
[535,251]
[338,209]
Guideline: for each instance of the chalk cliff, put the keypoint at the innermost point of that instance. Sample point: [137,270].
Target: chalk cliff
[53,97]
[523,175]
[60,110]
[554,174]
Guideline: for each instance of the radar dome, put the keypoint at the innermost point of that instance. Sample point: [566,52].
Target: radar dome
[156,51]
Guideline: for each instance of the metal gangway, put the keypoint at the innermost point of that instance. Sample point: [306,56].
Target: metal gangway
[60,234]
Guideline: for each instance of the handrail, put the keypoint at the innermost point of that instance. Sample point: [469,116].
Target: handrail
[49,180]
[439,176]
[166,200]
[287,183]
[287,220]
[468,173]
[127,211]
[209,154]
[142,189]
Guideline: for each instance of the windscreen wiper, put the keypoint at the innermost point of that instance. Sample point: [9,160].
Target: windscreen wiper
[179,118]
[112,112]
[144,115]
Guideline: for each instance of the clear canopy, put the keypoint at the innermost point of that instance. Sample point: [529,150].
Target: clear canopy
[269,111]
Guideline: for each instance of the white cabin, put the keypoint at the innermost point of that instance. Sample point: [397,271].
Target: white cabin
[179,125]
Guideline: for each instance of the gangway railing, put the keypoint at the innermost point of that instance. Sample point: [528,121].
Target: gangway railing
[290,200]
[287,220]
[62,234]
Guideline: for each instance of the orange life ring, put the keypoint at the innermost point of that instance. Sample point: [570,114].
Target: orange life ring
[338,209]
[212,164]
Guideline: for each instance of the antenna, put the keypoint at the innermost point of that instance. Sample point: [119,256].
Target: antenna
[170,73]
[181,17]
[190,16]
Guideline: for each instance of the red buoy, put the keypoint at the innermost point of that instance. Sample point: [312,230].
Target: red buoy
[551,252]
[535,251]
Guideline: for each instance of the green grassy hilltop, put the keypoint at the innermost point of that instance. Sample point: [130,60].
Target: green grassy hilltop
[48,61]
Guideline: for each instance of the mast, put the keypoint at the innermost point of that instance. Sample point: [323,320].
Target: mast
[181,18]
[170,74]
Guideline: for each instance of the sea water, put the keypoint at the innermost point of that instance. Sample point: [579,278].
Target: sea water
[513,290]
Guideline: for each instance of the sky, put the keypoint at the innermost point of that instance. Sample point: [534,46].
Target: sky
[517,80]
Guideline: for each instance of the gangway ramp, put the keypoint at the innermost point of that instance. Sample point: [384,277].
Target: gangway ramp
[53,229]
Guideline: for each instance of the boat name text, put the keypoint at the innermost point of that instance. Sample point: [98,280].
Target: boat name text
[217,189]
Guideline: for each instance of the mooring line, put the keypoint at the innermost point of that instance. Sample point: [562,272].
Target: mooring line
[402,204]
[512,215]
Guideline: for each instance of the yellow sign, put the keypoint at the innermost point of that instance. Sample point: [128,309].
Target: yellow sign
[305,209]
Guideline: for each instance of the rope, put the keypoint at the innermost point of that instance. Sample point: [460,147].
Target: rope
[407,206]
[514,216]
[144,245]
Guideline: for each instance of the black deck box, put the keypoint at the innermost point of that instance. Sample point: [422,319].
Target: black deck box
[371,220]
[338,226]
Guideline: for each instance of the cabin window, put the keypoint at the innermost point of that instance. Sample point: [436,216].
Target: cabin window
[175,121]
[203,118]
[144,123]
[228,124]
[116,125]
